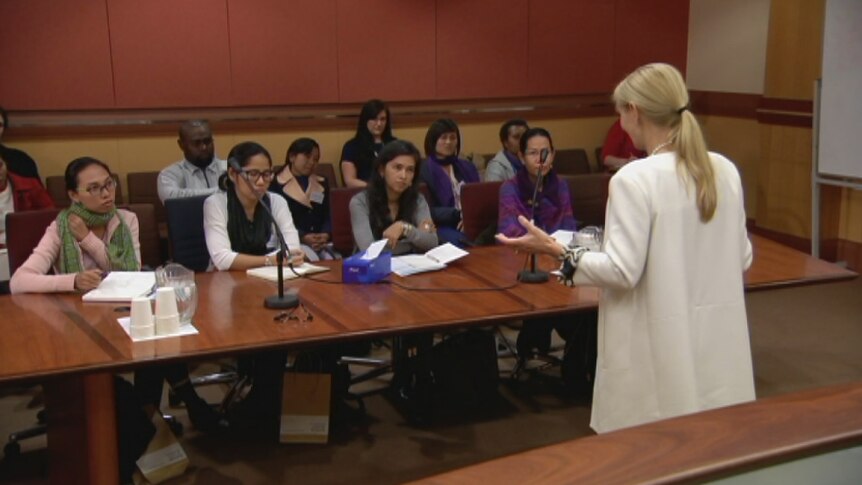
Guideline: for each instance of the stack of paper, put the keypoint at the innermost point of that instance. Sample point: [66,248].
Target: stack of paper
[271,272]
[433,260]
[122,286]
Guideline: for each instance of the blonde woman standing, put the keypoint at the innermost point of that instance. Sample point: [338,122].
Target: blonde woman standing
[673,335]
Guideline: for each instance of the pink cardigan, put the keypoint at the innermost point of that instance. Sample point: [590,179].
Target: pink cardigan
[33,277]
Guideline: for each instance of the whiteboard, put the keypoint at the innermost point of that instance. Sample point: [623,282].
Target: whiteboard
[840,149]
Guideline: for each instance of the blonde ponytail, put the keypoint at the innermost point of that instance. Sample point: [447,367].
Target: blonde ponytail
[693,158]
[659,92]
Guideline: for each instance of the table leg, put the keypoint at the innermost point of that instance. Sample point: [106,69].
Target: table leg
[82,429]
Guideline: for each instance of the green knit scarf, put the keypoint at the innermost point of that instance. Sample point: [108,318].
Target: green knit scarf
[121,249]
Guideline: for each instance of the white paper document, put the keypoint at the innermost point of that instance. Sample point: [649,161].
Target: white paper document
[122,286]
[433,260]
[271,272]
[563,237]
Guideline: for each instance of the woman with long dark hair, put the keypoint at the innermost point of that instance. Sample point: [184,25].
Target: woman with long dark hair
[392,207]
[240,235]
[373,130]
[445,173]
[307,196]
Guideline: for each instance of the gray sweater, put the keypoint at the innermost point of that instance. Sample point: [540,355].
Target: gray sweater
[418,241]
[498,168]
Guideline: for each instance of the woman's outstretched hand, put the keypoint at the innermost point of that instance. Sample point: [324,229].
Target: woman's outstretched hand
[534,241]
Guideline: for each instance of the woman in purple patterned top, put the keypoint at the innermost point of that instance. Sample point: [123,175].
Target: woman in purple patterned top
[553,210]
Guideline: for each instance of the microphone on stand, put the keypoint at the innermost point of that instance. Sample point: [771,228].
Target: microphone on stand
[533,275]
[279,301]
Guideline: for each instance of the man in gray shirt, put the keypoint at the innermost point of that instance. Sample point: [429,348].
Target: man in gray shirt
[506,161]
[198,172]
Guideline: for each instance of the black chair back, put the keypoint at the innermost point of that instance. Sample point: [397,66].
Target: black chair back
[186,232]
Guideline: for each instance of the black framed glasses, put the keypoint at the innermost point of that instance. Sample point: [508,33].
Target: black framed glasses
[96,190]
[254,175]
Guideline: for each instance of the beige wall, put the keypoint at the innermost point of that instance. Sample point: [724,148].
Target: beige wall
[727,45]
[738,139]
[131,153]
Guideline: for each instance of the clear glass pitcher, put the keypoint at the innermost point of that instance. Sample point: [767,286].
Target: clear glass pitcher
[182,280]
[590,237]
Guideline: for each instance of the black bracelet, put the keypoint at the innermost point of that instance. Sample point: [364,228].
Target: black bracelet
[571,257]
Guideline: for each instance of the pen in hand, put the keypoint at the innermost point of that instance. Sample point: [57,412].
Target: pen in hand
[88,279]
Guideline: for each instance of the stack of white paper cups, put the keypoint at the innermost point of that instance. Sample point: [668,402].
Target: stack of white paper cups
[167,317]
[141,324]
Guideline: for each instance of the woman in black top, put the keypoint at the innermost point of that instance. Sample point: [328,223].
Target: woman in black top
[17,161]
[307,197]
[373,130]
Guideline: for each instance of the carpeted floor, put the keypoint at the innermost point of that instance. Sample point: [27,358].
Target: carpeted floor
[801,338]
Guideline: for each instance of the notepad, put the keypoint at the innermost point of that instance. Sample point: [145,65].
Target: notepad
[432,260]
[270,273]
[122,286]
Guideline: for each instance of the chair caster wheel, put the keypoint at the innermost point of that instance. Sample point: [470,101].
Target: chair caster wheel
[11,450]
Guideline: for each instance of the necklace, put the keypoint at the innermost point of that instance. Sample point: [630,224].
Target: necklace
[659,147]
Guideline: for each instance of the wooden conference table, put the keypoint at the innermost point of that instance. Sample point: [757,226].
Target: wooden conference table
[74,348]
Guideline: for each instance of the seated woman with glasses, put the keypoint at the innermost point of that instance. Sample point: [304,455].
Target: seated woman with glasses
[553,211]
[391,207]
[240,235]
[307,196]
[445,174]
[87,240]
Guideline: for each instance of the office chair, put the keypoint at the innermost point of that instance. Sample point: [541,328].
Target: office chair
[479,210]
[327,170]
[23,232]
[342,229]
[589,196]
[572,161]
[188,247]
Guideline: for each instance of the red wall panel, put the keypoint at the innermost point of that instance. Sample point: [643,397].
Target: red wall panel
[482,48]
[571,46]
[650,31]
[169,53]
[54,54]
[386,50]
[283,52]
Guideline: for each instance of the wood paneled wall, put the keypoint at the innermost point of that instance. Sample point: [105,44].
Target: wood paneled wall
[97,54]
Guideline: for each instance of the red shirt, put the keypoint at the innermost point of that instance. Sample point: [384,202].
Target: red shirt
[28,193]
[619,144]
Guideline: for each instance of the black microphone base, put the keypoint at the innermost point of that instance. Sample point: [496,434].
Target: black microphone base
[281,302]
[528,276]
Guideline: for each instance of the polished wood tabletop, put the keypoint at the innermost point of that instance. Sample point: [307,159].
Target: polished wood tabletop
[688,449]
[73,347]
[53,334]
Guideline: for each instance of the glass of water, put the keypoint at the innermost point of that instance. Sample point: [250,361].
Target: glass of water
[590,237]
[182,280]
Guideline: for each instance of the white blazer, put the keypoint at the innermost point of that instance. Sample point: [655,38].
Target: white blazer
[673,334]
